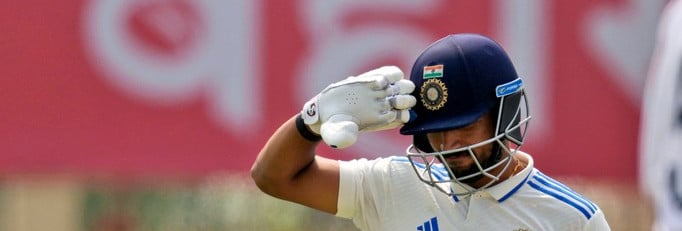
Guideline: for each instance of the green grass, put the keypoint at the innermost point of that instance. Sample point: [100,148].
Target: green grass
[226,202]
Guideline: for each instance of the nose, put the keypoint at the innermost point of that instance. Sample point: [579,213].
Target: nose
[446,140]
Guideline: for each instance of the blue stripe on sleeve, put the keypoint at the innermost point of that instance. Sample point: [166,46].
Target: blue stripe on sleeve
[583,199]
[562,188]
[561,198]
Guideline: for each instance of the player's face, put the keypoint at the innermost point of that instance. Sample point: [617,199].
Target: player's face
[462,163]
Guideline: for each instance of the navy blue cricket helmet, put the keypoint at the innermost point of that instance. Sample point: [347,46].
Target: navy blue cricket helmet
[458,79]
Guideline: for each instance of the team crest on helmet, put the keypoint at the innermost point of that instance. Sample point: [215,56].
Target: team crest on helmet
[434,94]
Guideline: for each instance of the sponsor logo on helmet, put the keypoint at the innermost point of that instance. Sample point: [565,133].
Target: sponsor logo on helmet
[435,71]
[509,88]
[434,94]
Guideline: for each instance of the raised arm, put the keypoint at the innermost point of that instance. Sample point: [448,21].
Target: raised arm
[287,166]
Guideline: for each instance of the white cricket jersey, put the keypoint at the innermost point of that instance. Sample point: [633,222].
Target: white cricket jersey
[661,124]
[386,194]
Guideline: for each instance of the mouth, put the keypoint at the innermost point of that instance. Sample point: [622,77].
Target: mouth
[457,156]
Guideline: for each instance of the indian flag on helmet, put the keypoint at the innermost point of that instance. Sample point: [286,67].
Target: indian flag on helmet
[435,71]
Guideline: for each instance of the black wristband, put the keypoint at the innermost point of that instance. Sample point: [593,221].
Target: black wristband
[305,131]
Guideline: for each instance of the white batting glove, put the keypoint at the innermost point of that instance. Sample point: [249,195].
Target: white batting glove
[375,100]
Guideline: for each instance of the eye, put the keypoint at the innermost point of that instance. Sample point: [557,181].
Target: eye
[434,137]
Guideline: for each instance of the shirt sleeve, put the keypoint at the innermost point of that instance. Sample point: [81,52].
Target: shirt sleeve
[361,182]
[347,188]
[597,222]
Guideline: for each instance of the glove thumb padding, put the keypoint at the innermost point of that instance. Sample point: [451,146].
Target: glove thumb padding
[340,131]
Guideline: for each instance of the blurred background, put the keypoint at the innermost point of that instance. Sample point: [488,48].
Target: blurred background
[146,115]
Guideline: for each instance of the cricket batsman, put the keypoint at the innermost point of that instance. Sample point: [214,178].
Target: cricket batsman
[465,108]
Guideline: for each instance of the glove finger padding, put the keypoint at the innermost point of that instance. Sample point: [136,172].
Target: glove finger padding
[378,78]
[402,101]
[384,76]
[404,116]
[400,87]
[375,100]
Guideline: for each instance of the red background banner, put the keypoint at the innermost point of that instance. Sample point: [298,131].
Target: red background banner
[189,88]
